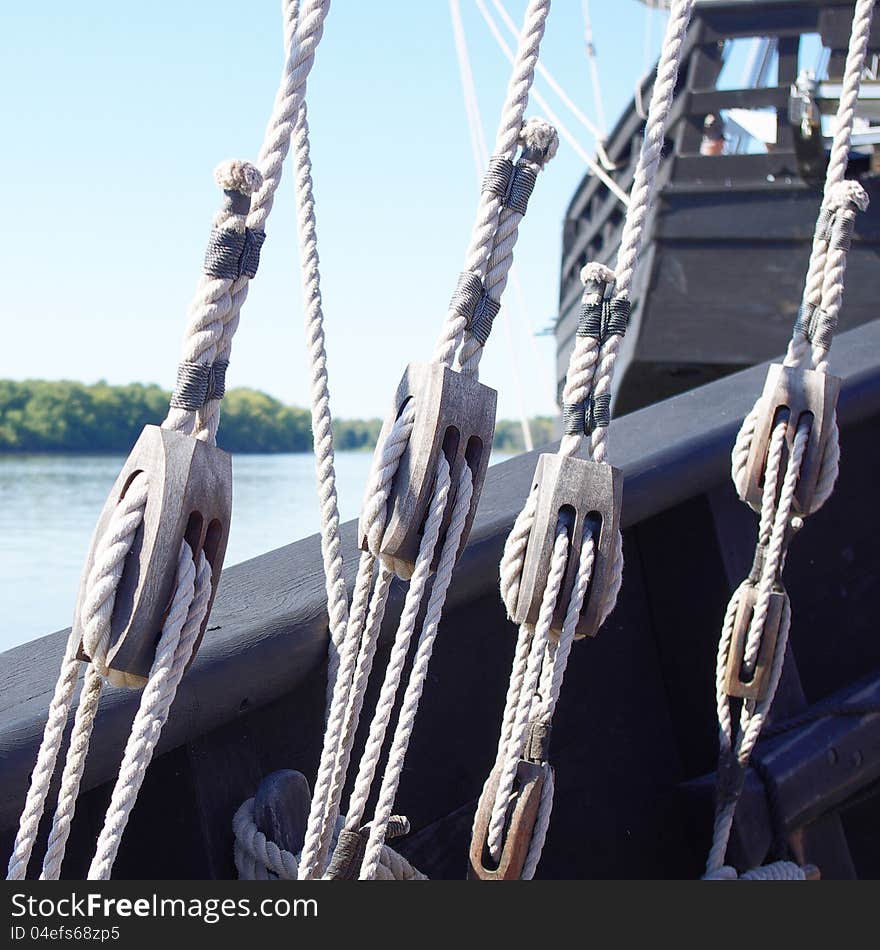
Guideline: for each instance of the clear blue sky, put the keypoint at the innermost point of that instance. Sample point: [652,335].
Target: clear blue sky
[115,114]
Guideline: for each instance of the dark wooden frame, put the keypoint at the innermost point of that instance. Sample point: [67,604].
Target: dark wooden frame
[636,718]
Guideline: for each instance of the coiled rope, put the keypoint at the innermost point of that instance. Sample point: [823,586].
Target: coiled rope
[540,659]
[808,349]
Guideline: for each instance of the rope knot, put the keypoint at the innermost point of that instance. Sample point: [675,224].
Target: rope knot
[848,193]
[237,175]
[596,273]
[539,141]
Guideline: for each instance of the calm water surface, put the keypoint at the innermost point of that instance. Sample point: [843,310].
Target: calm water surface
[49,505]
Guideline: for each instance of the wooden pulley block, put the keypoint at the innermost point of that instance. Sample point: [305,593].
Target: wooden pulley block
[454,417]
[797,393]
[756,684]
[190,496]
[529,783]
[584,494]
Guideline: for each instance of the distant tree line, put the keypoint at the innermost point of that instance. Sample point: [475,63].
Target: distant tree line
[42,416]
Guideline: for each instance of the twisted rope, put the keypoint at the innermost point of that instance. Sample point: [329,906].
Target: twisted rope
[96,611]
[491,204]
[588,383]
[213,319]
[735,752]
[215,312]
[180,631]
[419,671]
[836,194]
[823,294]
[540,633]
[258,858]
[357,651]
[489,256]
[393,672]
[322,421]
[533,692]
[536,138]
[777,871]
[189,605]
[591,367]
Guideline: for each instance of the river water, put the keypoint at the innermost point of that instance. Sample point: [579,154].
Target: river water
[49,505]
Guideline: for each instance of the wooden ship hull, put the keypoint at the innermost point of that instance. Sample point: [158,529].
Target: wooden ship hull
[635,737]
[729,236]
[635,732]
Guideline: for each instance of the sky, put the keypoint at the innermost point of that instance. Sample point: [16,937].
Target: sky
[114,116]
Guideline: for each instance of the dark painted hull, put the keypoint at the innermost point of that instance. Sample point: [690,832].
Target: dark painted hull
[729,238]
[635,723]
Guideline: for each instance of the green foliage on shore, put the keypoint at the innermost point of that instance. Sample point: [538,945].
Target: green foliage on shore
[62,416]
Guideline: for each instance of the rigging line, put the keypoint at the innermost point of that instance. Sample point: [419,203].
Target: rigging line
[648,37]
[592,62]
[824,283]
[552,117]
[481,160]
[551,81]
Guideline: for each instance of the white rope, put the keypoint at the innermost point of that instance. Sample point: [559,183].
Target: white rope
[540,633]
[215,311]
[604,164]
[738,749]
[535,685]
[366,655]
[823,288]
[189,606]
[836,195]
[258,858]
[506,141]
[322,421]
[480,154]
[419,672]
[537,659]
[394,670]
[71,776]
[537,136]
[357,651]
[777,871]
[96,610]
[44,769]
[213,318]
[489,257]
[173,652]
[546,75]
[589,361]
